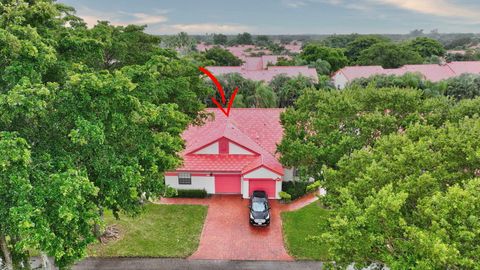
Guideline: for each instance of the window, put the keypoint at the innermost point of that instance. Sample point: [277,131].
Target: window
[184,179]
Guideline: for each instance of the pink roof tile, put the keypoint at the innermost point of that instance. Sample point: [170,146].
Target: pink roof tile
[256,129]
[431,72]
[257,69]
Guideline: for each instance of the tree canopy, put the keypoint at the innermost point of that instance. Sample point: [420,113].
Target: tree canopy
[335,57]
[222,57]
[389,55]
[90,119]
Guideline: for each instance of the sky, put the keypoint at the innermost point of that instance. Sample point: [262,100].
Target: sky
[285,16]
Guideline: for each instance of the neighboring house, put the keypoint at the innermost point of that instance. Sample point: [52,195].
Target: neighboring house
[240,51]
[258,69]
[233,155]
[431,72]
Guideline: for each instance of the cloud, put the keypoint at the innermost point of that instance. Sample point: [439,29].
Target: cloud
[443,8]
[202,28]
[294,3]
[121,18]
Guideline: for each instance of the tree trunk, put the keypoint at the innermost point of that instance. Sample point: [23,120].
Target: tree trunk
[6,252]
[96,229]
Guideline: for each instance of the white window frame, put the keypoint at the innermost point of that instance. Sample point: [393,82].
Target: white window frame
[184,178]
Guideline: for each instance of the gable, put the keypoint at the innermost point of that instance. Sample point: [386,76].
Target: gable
[235,149]
[211,149]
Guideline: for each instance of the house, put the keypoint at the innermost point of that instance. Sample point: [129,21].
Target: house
[259,69]
[233,155]
[240,51]
[431,72]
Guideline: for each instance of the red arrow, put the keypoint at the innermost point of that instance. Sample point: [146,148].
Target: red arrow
[222,93]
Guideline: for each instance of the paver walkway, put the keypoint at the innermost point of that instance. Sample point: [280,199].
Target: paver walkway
[227,234]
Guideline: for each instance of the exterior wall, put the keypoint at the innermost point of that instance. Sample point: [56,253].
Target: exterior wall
[279,188]
[339,80]
[198,182]
[288,174]
[235,149]
[262,173]
[245,189]
[212,149]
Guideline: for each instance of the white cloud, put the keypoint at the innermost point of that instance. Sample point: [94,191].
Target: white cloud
[202,28]
[294,3]
[443,8]
[121,18]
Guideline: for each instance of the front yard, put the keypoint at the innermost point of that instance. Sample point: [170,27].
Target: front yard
[160,231]
[299,225]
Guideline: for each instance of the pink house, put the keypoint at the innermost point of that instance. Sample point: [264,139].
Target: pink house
[431,72]
[258,69]
[233,155]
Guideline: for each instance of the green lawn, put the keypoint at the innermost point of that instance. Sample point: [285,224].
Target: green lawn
[160,231]
[299,225]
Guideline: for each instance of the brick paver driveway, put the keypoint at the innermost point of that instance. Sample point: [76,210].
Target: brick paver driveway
[227,234]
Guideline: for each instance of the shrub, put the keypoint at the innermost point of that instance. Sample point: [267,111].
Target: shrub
[313,187]
[192,193]
[295,188]
[170,192]
[284,196]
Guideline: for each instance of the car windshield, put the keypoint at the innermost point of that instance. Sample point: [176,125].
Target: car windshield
[258,206]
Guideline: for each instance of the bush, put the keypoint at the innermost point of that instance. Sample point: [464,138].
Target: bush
[170,192]
[285,196]
[192,193]
[295,188]
[313,187]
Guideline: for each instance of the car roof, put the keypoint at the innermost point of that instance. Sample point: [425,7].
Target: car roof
[259,194]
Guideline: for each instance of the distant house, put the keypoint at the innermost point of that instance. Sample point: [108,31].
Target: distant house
[233,155]
[258,69]
[431,72]
[294,47]
[240,51]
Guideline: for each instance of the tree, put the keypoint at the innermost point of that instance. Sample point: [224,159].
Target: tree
[426,47]
[335,57]
[389,55]
[339,41]
[244,39]
[334,123]
[408,202]
[463,86]
[289,92]
[219,39]
[75,138]
[361,43]
[264,97]
[247,89]
[262,40]
[222,57]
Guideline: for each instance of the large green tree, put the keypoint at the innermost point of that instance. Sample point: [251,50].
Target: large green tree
[361,43]
[335,57]
[334,123]
[427,47]
[409,202]
[222,57]
[389,55]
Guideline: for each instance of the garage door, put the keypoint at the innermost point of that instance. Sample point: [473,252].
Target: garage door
[267,185]
[227,184]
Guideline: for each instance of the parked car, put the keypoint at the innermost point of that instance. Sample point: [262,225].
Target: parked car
[259,209]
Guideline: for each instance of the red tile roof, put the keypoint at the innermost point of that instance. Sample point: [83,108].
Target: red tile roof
[431,72]
[256,129]
[257,69]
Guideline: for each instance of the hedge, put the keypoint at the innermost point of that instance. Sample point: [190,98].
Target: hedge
[192,193]
[295,188]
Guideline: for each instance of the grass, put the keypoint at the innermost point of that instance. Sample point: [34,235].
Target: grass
[160,231]
[299,225]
